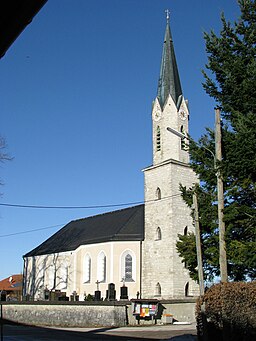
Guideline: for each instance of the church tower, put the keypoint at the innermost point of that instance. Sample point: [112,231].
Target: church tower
[166,214]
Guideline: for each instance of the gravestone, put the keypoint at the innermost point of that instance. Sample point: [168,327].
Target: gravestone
[74,296]
[97,295]
[3,295]
[124,293]
[111,292]
[46,294]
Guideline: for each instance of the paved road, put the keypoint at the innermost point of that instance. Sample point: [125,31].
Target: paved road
[168,332]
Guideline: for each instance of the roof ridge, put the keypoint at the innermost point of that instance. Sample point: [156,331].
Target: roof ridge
[104,213]
[106,227]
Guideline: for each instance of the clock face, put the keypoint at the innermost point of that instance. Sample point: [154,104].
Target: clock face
[157,115]
[183,114]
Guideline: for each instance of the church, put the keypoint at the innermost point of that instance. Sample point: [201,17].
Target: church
[133,247]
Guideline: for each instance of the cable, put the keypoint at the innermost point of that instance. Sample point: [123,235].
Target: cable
[83,207]
[28,231]
[72,207]
[69,207]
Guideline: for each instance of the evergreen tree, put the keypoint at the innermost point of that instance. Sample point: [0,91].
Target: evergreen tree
[230,78]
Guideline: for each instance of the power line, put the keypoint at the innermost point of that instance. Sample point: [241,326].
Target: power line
[84,207]
[71,207]
[28,231]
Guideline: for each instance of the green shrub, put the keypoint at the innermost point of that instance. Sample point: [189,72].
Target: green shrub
[88,297]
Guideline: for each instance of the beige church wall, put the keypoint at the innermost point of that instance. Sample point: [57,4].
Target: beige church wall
[64,271]
[113,252]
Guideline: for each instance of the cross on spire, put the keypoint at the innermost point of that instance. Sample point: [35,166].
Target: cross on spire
[169,81]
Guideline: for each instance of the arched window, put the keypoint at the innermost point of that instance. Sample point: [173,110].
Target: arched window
[158,289]
[158,234]
[187,289]
[185,230]
[158,193]
[158,139]
[87,269]
[128,266]
[101,269]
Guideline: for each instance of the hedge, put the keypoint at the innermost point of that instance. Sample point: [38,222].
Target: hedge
[227,311]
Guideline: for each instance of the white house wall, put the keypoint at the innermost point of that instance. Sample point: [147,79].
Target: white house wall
[52,272]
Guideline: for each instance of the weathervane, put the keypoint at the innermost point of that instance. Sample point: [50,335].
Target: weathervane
[167,14]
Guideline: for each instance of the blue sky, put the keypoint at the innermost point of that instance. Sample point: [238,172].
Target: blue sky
[76,92]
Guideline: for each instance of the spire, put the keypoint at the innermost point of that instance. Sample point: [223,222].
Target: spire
[169,81]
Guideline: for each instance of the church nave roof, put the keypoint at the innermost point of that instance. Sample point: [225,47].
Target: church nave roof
[121,225]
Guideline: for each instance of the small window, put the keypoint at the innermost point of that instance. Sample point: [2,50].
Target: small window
[158,139]
[182,141]
[158,289]
[185,230]
[158,193]
[187,289]
[158,234]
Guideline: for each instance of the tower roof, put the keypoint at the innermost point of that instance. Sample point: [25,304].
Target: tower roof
[169,81]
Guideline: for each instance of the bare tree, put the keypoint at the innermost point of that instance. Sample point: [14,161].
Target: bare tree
[51,272]
[3,155]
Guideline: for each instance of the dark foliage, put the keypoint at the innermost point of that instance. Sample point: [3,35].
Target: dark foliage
[227,312]
[230,78]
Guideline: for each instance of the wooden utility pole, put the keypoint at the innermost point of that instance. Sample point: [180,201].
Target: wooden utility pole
[198,246]
[222,243]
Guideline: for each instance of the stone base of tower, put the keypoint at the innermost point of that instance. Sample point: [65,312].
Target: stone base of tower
[164,276]
[163,284]
[184,290]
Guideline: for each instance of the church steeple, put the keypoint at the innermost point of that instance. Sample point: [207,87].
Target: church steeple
[166,214]
[170,109]
[169,81]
